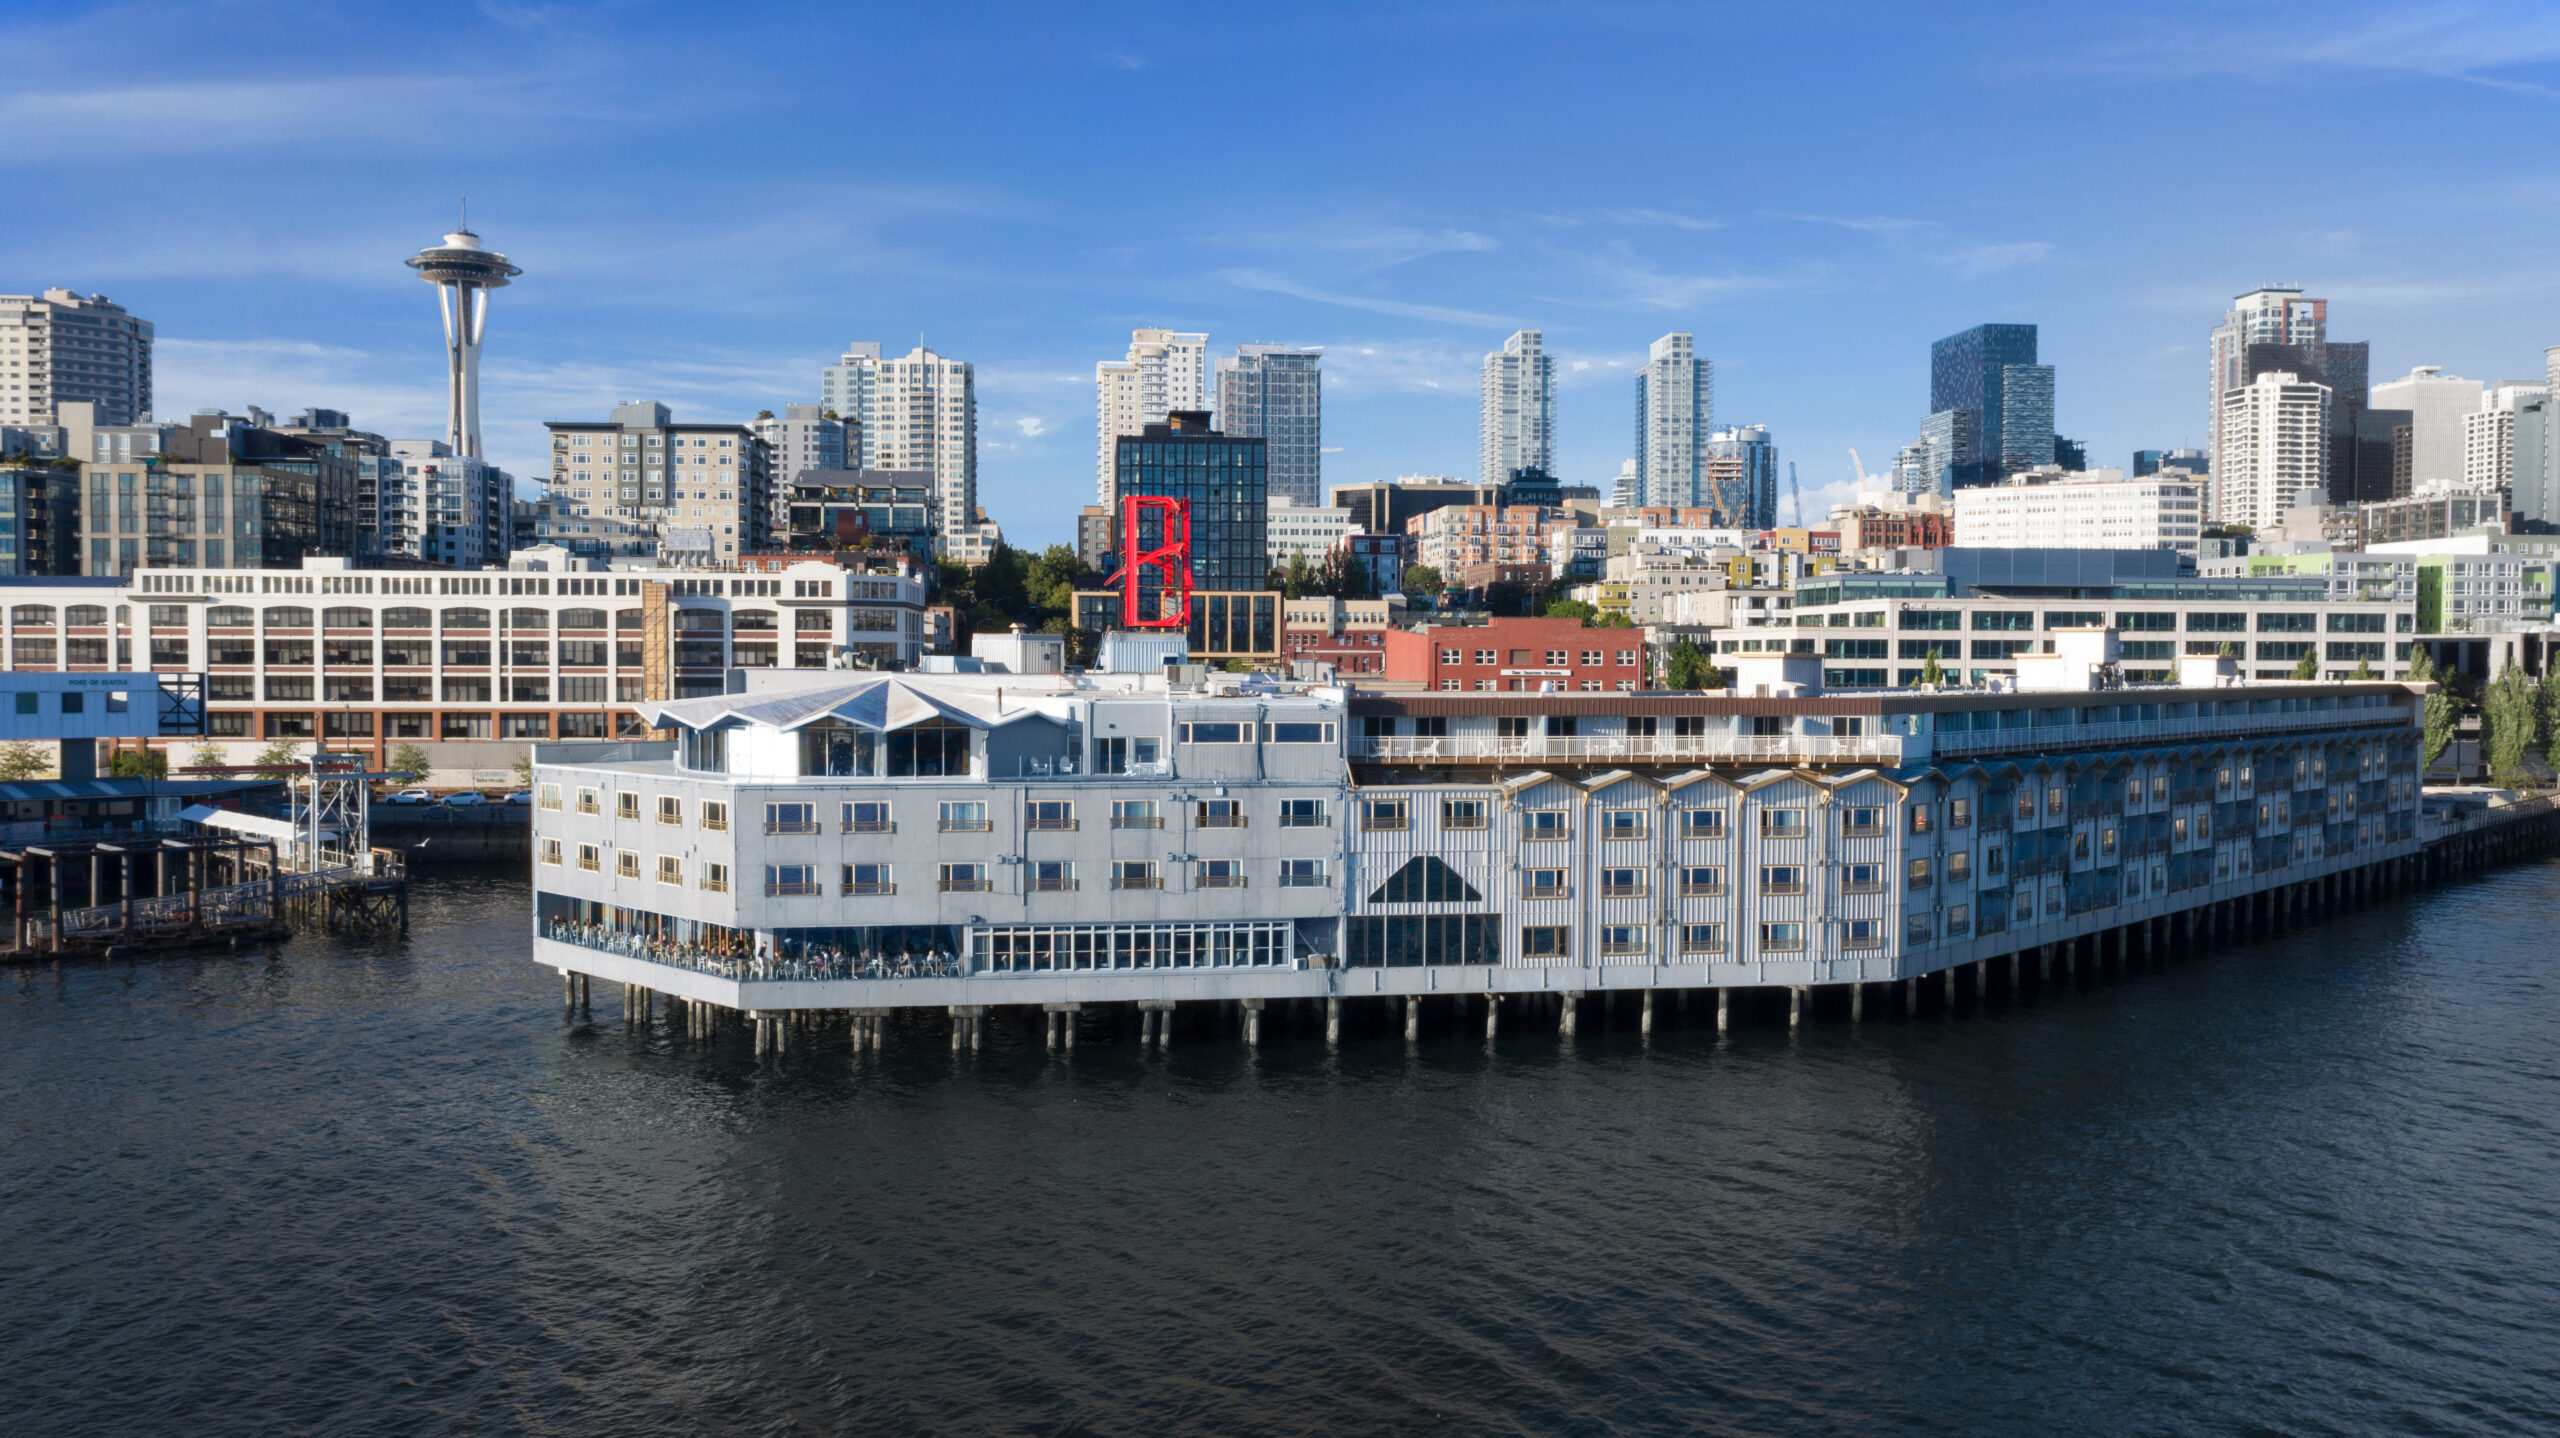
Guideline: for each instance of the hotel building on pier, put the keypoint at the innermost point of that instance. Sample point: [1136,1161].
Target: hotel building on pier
[874,842]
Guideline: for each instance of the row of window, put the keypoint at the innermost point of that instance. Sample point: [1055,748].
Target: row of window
[1045,877]
[1555,941]
[1555,658]
[1701,881]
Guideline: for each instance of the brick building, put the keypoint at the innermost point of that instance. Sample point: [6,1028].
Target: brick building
[1518,656]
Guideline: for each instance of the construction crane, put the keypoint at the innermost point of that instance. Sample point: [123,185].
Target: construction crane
[1857,467]
[1795,496]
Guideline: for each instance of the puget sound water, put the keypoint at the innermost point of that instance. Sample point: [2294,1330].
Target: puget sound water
[2295,1187]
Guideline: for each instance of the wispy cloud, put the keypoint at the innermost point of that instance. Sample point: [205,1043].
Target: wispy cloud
[1116,60]
[1405,367]
[1975,261]
[2469,43]
[1630,280]
[1659,217]
[1367,243]
[215,117]
[1274,284]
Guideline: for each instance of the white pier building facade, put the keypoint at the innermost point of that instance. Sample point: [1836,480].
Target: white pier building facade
[872,843]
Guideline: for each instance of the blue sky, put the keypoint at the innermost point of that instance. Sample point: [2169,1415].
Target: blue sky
[709,201]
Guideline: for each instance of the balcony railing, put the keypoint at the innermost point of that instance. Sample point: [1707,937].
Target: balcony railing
[2214,726]
[791,826]
[1622,748]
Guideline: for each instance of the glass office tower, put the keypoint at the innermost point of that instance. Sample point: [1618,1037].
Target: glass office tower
[1990,372]
[1226,481]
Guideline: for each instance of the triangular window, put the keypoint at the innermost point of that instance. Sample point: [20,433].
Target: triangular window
[1426,881]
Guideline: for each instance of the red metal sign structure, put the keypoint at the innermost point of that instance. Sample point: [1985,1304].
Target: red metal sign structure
[1169,557]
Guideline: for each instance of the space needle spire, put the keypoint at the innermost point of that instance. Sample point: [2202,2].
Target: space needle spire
[463,271]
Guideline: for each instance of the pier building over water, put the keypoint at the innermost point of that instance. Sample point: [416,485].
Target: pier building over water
[869,843]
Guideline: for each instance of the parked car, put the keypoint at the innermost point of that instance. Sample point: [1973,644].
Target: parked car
[410,796]
[464,800]
[522,798]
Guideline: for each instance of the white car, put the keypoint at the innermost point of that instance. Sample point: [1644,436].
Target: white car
[522,799]
[464,800]
[410,796]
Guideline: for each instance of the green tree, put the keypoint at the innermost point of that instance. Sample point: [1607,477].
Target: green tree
[280,751]
[1297,577]
[1930,673]
[2364,670]
[147,764]
[1569,609]
[2510,723]
[1423,582]
[207,757]
[1615,619]
[2443,709]
[23,760]
[1239,666]
[410,759]
[2226,651]
[523,768]
[2308,666]
[1686,667]
[1507,598]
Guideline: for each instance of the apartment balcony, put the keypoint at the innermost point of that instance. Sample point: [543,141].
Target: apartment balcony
[1536,750]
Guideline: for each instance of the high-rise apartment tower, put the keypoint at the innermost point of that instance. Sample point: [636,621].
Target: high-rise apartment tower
[1517,425]
[1675,403]
[1276,393]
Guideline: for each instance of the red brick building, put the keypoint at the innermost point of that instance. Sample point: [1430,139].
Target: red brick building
[1518,656]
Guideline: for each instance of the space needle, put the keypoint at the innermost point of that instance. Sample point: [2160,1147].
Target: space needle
[463,271]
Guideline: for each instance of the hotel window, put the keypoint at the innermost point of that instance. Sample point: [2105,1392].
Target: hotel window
[2080,845]
[867,879]
[550,796]
[1960,866]
[1959,813]
[587,802]
[626,805]
[1701,881]
[1302,814]
[1782,879]
[1919,818]
[626,864]
[1959,919]
[785,880]
[1219,814]
[1917,929]
[1622,939]
[2107,842]
[1622,883]
[867,817]
[1220,874]
[1701,938]
[1544,884]
[1781,938]
[1050,814]
[1546,941]
[715,814]
[670,869]
[1782,823]
[2026,803]
[1622,823]
[588,858]
[1863,879]
[1543,824]
[2053,800]
[1863,819]
[1134,874]
[1702,823]
[1052,876]
[964,879]
[1462,813]
[551,851]
[966,817]
[791,818]
[670,810]
[1379,814]
[1862,933]
[1302,873]
[1920,876]
[1135,814]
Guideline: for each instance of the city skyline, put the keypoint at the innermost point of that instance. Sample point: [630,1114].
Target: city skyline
[1831,278]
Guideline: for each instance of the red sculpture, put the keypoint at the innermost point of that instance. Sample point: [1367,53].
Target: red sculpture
[1171,559]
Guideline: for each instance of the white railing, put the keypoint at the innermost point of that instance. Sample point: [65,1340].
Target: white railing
[2215,726]
[1625,748]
